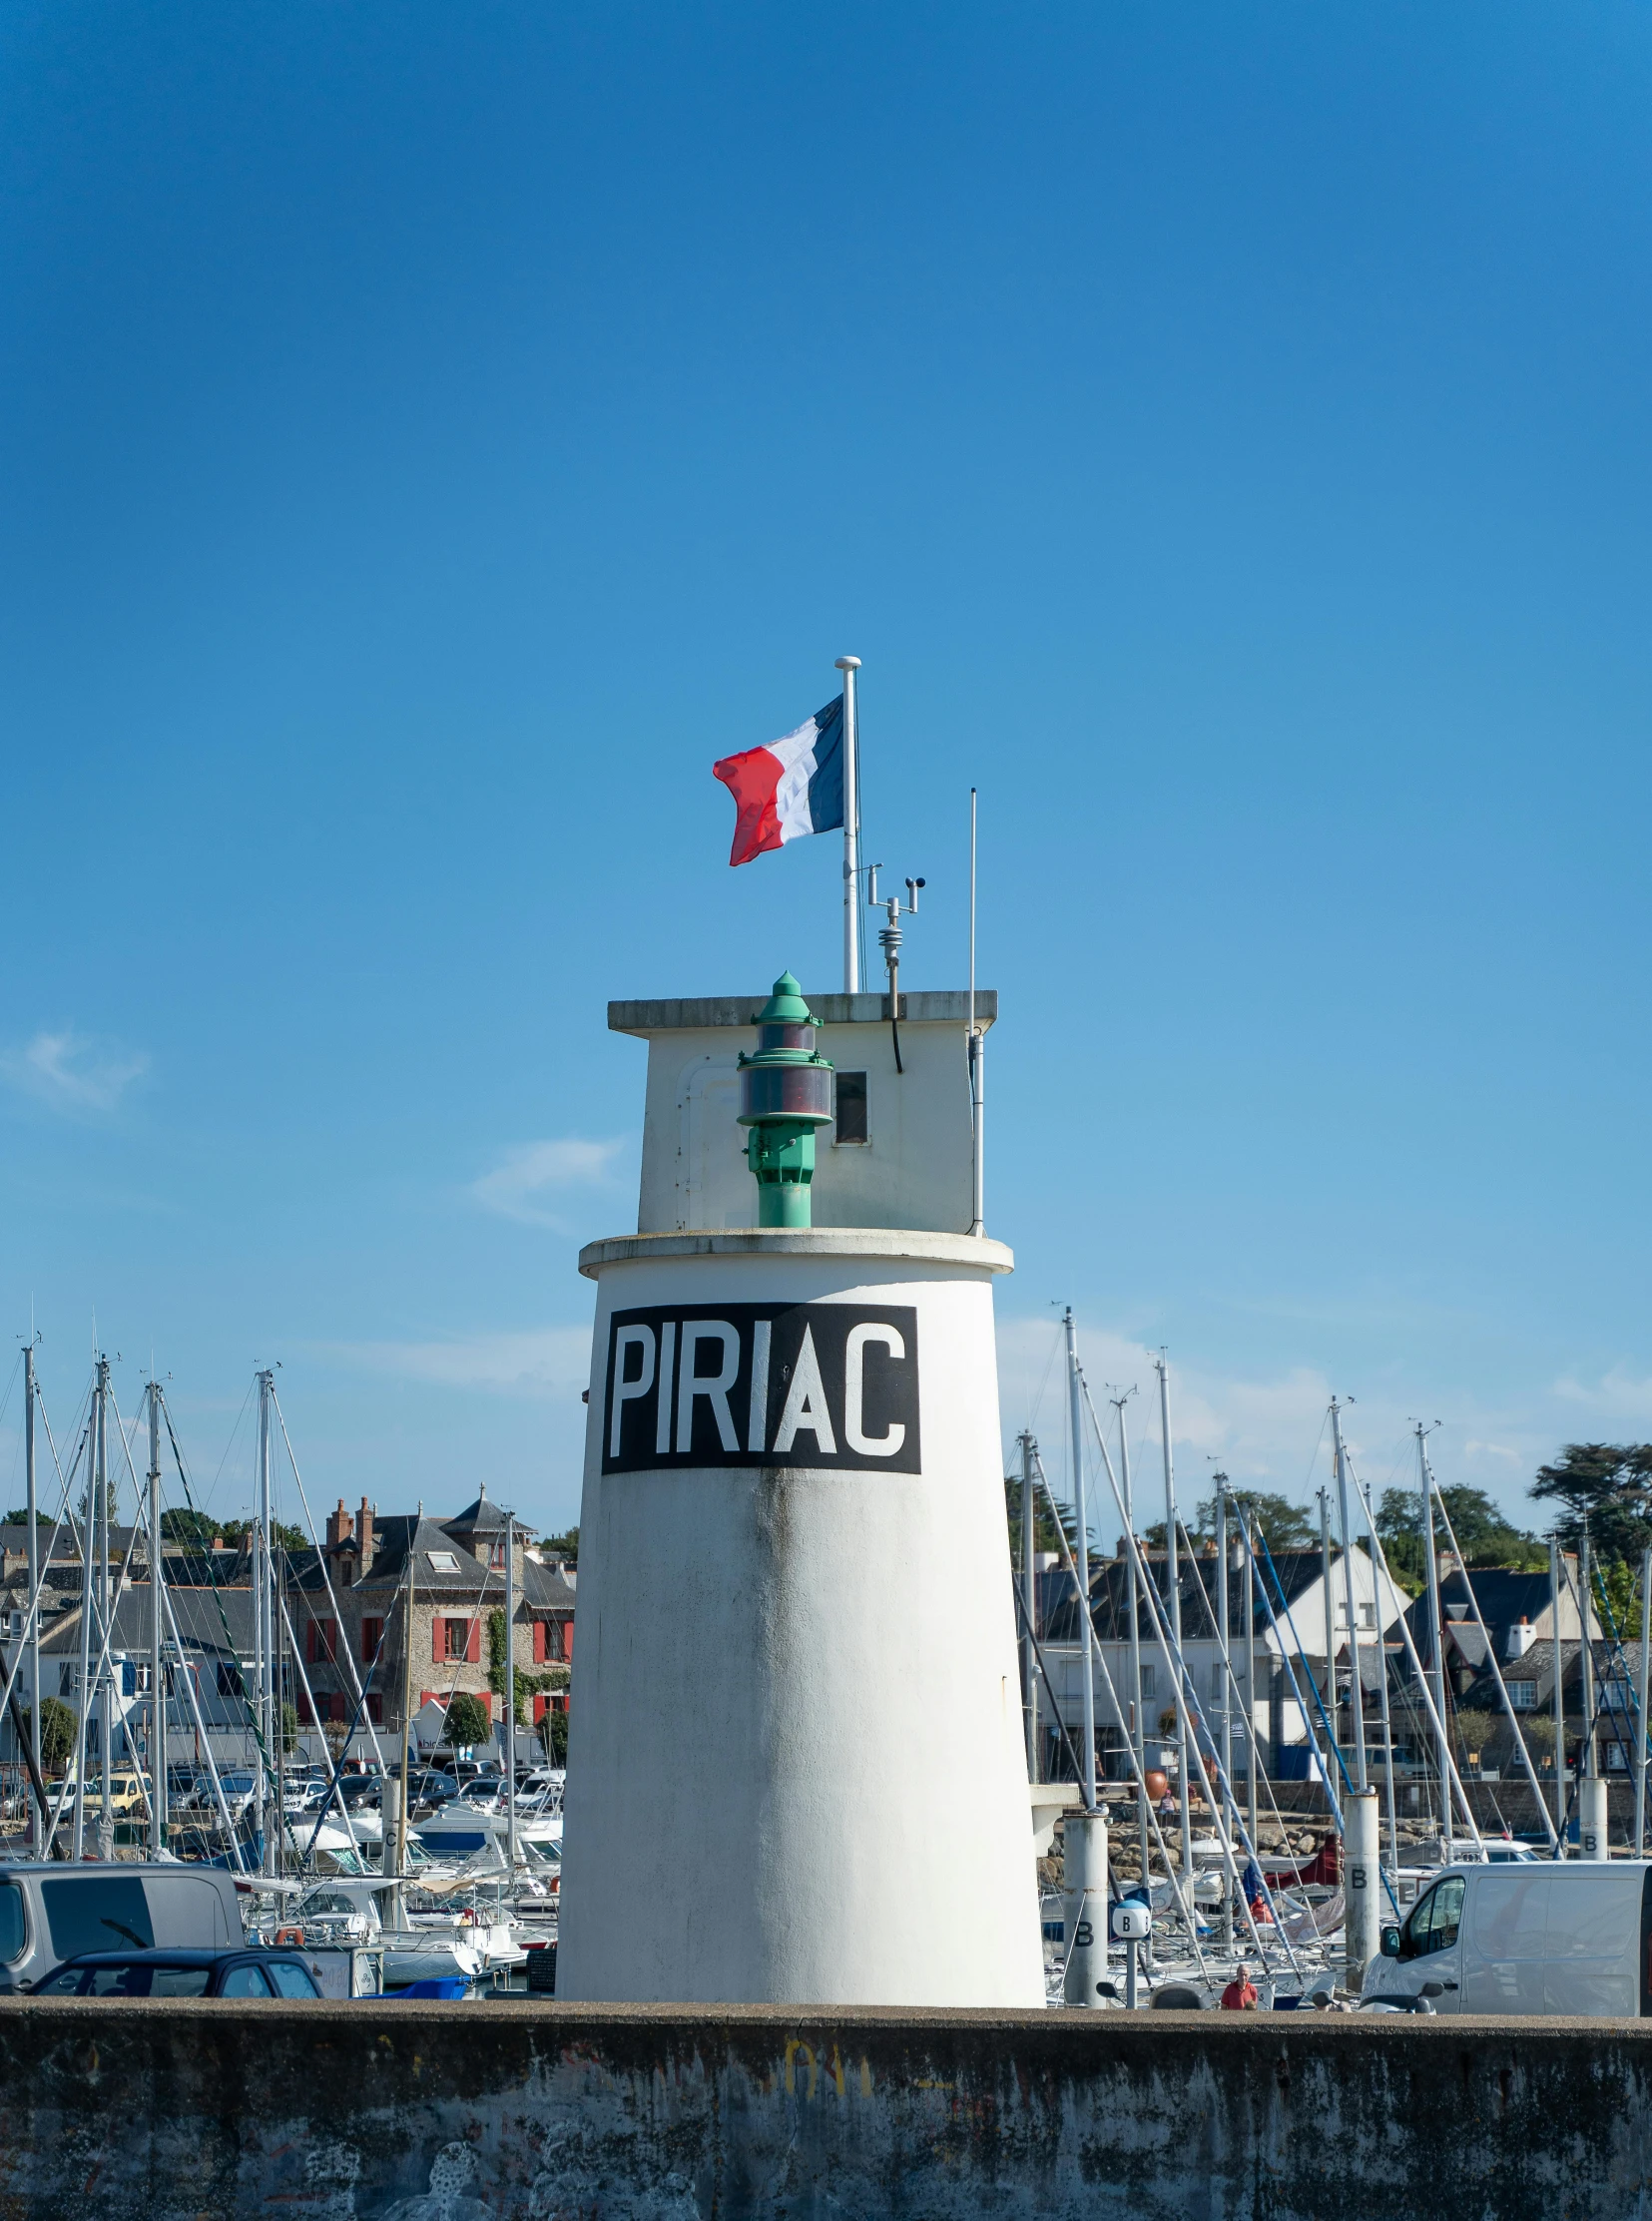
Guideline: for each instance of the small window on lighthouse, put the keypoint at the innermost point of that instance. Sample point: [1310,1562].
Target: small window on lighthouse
[850,1107]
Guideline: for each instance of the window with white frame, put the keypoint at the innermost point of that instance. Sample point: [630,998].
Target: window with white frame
[1522,1695]
[1148,1681]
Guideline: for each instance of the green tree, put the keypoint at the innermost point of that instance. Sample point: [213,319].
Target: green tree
[290,1729]
[1484,1534]
[57,1732]
[1284,1526]
[1046,1535]
[1610,1486]
[553,1733]
[469,1721]
[194,1530]
[564,1545]
[189,1528]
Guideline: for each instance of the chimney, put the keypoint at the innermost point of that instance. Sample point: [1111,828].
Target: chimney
[341,1527]
[1519,1638]
[364,1536]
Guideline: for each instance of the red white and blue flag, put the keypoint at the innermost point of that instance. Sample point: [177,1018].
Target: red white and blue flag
[792,786]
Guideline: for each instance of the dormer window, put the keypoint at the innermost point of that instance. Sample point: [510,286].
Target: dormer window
[346,1572]
[496,1553]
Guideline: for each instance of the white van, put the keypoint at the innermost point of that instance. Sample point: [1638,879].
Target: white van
[50,1912]
[1573,1937]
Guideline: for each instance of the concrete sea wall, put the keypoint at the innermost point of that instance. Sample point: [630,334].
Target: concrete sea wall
[580,2113]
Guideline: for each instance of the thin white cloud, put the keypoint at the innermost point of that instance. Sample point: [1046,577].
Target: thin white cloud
[521,1183]
[72,1072]
[1617,1395]
[543,1361]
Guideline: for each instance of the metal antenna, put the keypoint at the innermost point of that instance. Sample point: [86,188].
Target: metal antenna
[889,939]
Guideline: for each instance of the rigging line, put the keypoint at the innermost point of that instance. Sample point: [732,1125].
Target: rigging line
[1049,1685]
[1411,1646]
[1619,1671]
[235,1430]
[1307,1477]
[217,1595]
[1252,1851]
[1176,1660]
[349,1732]
[1147,1802]
[1491,1649]
[94,1679]
[1296,1688]
[1181,1680]
[1038,1400]
[321,1562]
[1232,1674]
[310,1700]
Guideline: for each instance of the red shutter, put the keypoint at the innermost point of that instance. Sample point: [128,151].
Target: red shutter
[330,1641]
[538,1645]
[538,1710]
[438,1633]
[473,1649]
[568,1638]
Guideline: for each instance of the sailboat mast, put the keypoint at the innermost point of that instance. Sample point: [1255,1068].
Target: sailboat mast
[262,1618]
[34,1567]
[1173,1581]
[1251,1739]
[1356,1693]
[406,1798]
[1640,1745]
[510,1692]
[1326,1595]
[156,1672]
[1585,1606]
[1436,1639]
[1087,1755]
[1133,1594]
[1226,1655]
[106,1700]
[1559,1701]
[1029,1599]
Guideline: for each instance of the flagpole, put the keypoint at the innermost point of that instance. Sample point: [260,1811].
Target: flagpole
[848,666]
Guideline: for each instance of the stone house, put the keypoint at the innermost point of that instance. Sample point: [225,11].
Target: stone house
[349,1608]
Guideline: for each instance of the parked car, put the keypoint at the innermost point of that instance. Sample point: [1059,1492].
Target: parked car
[239,1787]
[53,1913]
[126,1793]
[1524,1937]
[245,1973]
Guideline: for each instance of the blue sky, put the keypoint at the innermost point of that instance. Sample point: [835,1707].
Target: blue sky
[432,435]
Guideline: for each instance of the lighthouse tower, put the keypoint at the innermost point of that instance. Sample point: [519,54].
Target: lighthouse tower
[798,1770]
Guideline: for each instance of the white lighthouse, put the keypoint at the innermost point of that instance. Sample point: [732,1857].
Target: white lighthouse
[797,1770]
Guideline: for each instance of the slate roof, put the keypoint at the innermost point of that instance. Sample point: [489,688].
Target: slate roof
[481,1517]
[195,1609]
[1196,1576]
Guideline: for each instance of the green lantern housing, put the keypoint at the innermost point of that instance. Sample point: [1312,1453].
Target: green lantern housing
[784,1093]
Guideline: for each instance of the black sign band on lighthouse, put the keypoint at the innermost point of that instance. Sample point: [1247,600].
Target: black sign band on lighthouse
[827,1385]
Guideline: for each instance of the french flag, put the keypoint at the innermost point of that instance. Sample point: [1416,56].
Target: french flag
[792,786]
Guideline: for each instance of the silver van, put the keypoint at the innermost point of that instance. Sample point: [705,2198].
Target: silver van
[49,1912]
[1567,1936]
